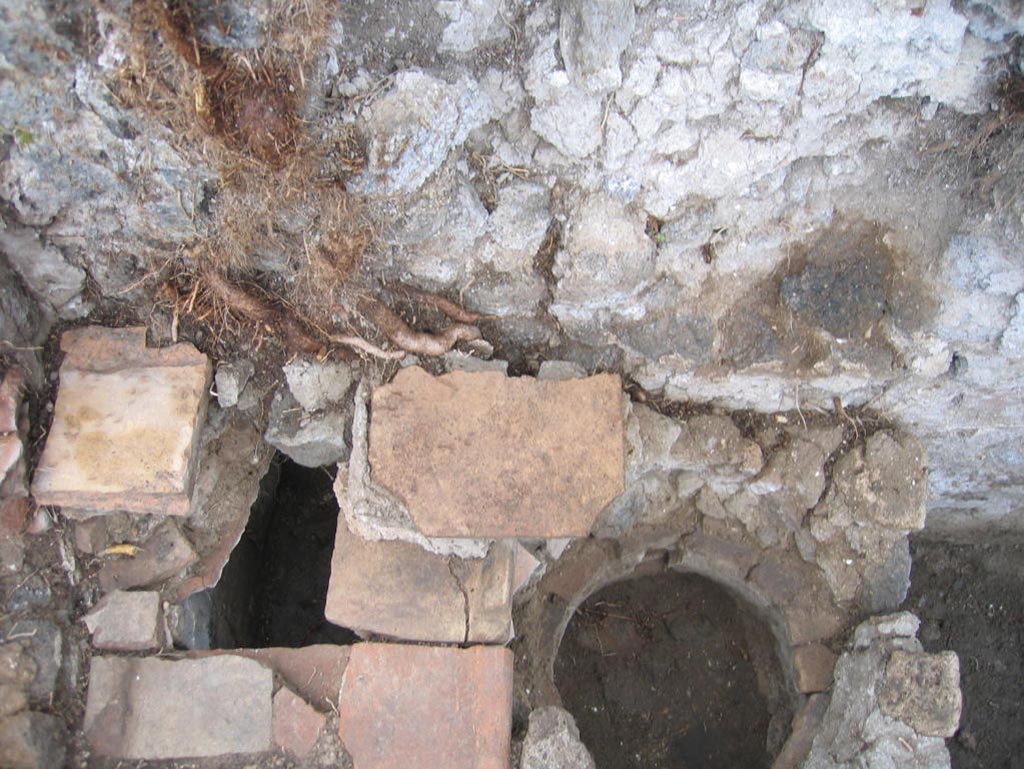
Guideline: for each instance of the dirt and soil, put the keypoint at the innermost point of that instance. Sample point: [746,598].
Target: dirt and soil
[663,672]
[970,599]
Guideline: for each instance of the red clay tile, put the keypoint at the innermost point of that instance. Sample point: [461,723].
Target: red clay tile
[296,724]
[422,707]
[482,455]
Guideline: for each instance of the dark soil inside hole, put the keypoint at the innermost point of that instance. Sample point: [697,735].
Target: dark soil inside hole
[273,590]
[670,672]
[970,599]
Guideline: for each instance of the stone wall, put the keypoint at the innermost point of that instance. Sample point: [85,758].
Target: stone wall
[754,206]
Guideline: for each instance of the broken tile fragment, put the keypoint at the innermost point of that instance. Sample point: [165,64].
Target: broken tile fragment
[124,621]
[398,589]
[125,426]
[148,708]
[296,723]
[815,664]
[165,553]
[482,455]
[314,672]
[14,516]
[526,566]
[420,707]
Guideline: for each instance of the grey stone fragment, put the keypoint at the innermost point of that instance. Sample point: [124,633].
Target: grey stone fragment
[232,24]
[473,23]
[231,379]
[316,385]
[592,35]
[560,369]
[42,267]
[12,699]
[155,709]
[189,622]
[553,742]
[414,126]
[12,555]
[28,594]
[900,625]
[923,690]
[607,256]
[311,439]
[33,659]
[123,621]
[32,741]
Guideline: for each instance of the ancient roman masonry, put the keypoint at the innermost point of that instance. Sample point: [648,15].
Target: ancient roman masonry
[467,500]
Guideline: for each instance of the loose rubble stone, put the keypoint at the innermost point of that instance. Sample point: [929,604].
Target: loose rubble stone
[152,709]
[12,555]
[814,664]
[165,553]
[418,707]
[553,742]
[33,660]
[400,590]
[592,35]
[230,380]
[17,667]
[313,439]
[32,741]
[317,385]
[798,591]
[923,690]
[12,699]
[296,724]
[856,731]
[483,455]
[126,424]
[124,621]
[413,127]
[30,593]
[714,443]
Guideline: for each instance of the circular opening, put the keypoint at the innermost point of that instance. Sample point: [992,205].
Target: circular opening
[673,671]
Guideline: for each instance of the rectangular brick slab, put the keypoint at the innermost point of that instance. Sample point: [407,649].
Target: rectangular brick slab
[423,707]
[399,590]
[125,426]
[151,708]
[483,455]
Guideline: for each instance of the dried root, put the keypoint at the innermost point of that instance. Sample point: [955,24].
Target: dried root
[446,306]
[418,342]
[262,311]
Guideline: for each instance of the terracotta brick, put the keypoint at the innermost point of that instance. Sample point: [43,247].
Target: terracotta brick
[125,426]
[482,455]
[815,665]
[151,708]
[315,672]
[399,590]
[14,515]
[419,707]
[10,400]
[296,724]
